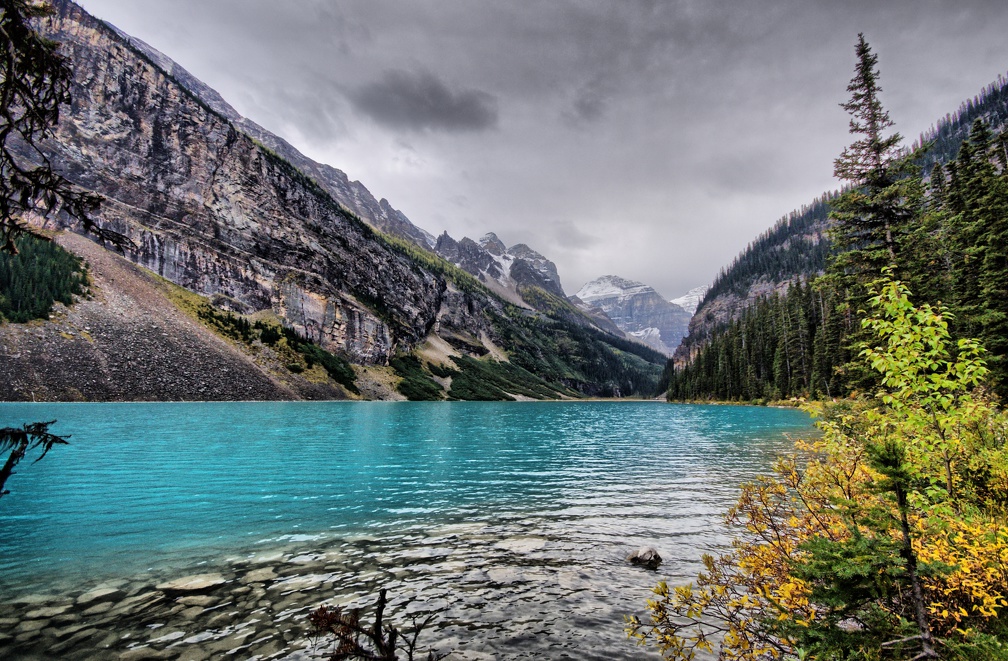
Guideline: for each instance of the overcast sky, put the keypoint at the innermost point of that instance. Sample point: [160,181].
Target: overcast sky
[647,139]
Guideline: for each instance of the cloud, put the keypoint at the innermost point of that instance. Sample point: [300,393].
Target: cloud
[589,103]
[669,132]
[573,237]
[420,101]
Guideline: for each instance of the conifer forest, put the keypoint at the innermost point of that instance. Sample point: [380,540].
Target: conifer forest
[936,212]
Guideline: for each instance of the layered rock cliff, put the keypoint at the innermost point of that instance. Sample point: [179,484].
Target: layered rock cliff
[352,195]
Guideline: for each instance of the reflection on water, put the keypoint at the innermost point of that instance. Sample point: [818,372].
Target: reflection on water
[513,519]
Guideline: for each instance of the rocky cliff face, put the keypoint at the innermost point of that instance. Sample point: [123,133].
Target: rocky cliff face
[211,210]
[352,195]
[638,310]
[211,207]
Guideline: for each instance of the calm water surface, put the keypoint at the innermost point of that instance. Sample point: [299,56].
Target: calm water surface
[514,519]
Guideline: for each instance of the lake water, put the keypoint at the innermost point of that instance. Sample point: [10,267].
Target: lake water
[511,519]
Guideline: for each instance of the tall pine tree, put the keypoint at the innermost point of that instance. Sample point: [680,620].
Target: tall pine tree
[874,215]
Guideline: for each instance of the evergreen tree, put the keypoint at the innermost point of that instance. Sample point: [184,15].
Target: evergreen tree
[973,215]
[994,278]
[876,214]
[870,213]
[938,187]
[868,159]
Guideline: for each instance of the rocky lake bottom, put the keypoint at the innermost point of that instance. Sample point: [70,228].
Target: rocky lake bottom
[511,523]
[508,590]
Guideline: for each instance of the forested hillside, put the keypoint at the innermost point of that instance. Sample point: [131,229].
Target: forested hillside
[944,139]
[941,229]
[796,246]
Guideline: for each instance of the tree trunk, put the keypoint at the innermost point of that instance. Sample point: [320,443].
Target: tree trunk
[910,558]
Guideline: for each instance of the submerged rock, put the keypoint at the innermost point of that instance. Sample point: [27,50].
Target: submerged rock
[98,595]
[192,584]
[645,556]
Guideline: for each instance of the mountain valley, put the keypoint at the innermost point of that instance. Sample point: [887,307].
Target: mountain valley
[224,209]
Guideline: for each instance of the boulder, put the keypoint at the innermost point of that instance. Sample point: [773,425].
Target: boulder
[645,556]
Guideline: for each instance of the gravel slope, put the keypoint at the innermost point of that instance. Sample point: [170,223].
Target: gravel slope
[130,342]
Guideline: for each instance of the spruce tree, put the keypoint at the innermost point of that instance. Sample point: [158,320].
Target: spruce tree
[993,284]
[867,161]
[875,214]
[879,205]
[937,187]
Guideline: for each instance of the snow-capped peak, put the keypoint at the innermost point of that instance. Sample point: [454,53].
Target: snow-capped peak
[691,299]
[610,286]
[492,244]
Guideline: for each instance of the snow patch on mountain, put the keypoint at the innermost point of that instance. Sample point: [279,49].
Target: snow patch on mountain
[648,335]
[611,286]
[691,299]
[638,310]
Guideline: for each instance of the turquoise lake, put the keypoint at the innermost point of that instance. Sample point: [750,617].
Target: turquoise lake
[513,519]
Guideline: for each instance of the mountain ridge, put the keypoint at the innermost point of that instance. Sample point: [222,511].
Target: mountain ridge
[218,212]
[797,246]
[351,194]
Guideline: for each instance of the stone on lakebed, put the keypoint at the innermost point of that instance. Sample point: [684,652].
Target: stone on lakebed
[99,595]
[194,584]
[645,556]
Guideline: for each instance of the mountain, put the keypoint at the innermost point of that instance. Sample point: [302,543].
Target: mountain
[691,299]
[797,246]
[505,270]
[131,342]
[763,331]
[522,276]
[352,195]
[638,310]
[284,267]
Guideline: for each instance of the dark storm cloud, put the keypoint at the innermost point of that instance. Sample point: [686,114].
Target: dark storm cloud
[589,103]
[419,101]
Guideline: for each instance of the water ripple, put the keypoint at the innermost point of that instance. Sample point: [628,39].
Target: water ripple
[514,519]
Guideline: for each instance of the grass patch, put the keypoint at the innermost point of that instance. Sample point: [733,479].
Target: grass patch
[441,370]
